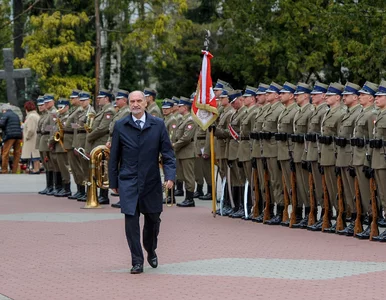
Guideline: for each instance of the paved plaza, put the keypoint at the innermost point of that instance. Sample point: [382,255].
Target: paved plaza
[52,249]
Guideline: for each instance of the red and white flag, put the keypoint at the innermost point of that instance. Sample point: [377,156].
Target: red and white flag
[204,104]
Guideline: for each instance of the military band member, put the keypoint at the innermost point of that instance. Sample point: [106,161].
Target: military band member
[301,119]
[58,150]
[152,107]
[222,136]
[270,150]
[378,145]
[363,130]
[328,151]
[68,141]
[185,151]
[84,121]
[179,183]
[313,146]
[99,132]
[244,150]
[345,153]
[258,161]
[285,128]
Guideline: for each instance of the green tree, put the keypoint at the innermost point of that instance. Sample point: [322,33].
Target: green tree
[5,41]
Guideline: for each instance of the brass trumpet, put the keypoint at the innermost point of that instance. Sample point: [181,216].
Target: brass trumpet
[82,152]
[89,122]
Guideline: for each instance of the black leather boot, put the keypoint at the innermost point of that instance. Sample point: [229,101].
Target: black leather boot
[380,238]
[302,223]
[43,192]
[276,220]
[50,186]
[116,205]
[179,189]
[83,195]
[66,190]
[349,230]
[189,201]
[208,195]
[76,195]
[55,184]
[199,192]
[103,198]
[59,183]
[332,229]
[365,234]
[236,199]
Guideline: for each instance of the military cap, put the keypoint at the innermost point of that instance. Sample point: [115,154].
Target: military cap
[369,88]
[303,88]
[288,88]
[83,95]
[274,88]
[40,100]
[381,89]
[150,92]
[48,97]
[335,88]
[221,84]
[351,89]
[185,101]
[234,94]
[75,94]
[62,102]
[250,91]
[262,89]
[122,94]
[176,100]
[224,93]
[104,93]
[319,88]
[167,103]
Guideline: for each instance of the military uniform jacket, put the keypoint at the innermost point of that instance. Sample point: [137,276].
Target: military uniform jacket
[330,126]
[39,129]
[100,127]
[201,141]
[222,133]
[346,130]
[235,122]
[301,119]
[46,129]
[314,127]
[57,146]
[68,130]
[122,112]
[245,146]
[257,145]
[154,110]
[80,132]
[178,117]
[364,126]
[184,145]
[285,124]
[378,160]
[171,125]
[270,125]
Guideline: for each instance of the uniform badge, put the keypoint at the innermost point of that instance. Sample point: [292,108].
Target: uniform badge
[54,119]
[190,126]
[108,116]
[174,126]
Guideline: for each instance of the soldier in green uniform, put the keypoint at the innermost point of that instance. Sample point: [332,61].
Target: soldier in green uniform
[237,178]
[329,129]
[258,161]
[270,149]
[378,158]
[85,118]
[218,88]
[58,150]
[43,115]
[122,110]
[179,183]
[363,130]
[185,151]
[313,147]
[222,136]
[99,133]
[152,107]
[244,150]
[301,119]
[68,141]
[345,153]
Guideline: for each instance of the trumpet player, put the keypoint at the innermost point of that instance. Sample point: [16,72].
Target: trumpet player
[99,131]
[58,150]
[83,123]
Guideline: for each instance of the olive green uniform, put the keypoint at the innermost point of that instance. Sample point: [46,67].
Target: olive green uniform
[122,113]
[47,125]
[202,166]
[154,110]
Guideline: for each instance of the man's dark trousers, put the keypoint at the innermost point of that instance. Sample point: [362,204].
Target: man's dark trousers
[150,234]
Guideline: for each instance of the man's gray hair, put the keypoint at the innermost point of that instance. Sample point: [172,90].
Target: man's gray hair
[142,94]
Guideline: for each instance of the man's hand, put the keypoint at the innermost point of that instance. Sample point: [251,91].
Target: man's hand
[116,191]
[169,184]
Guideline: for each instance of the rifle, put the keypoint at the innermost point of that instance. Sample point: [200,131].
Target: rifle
[374,207]
[267,209]
[358,228]
[312,214]
[255,209]
[286,201]
[293,188]
[326,217]
[339,218]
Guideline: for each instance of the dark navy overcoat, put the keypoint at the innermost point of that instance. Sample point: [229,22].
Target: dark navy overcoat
[134,163]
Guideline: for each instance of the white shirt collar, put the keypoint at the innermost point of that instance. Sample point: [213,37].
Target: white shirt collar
[143,119]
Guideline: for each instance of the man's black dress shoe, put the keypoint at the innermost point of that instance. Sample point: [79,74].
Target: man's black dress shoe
[152,260]
[137,269]
[116,205]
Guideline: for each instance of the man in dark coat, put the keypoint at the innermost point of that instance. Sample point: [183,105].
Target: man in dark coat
[12,137]
[137,142]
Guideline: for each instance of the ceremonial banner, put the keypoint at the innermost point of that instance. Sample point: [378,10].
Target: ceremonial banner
[204,106]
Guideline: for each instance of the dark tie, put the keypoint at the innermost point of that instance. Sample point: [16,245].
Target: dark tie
[138,122]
